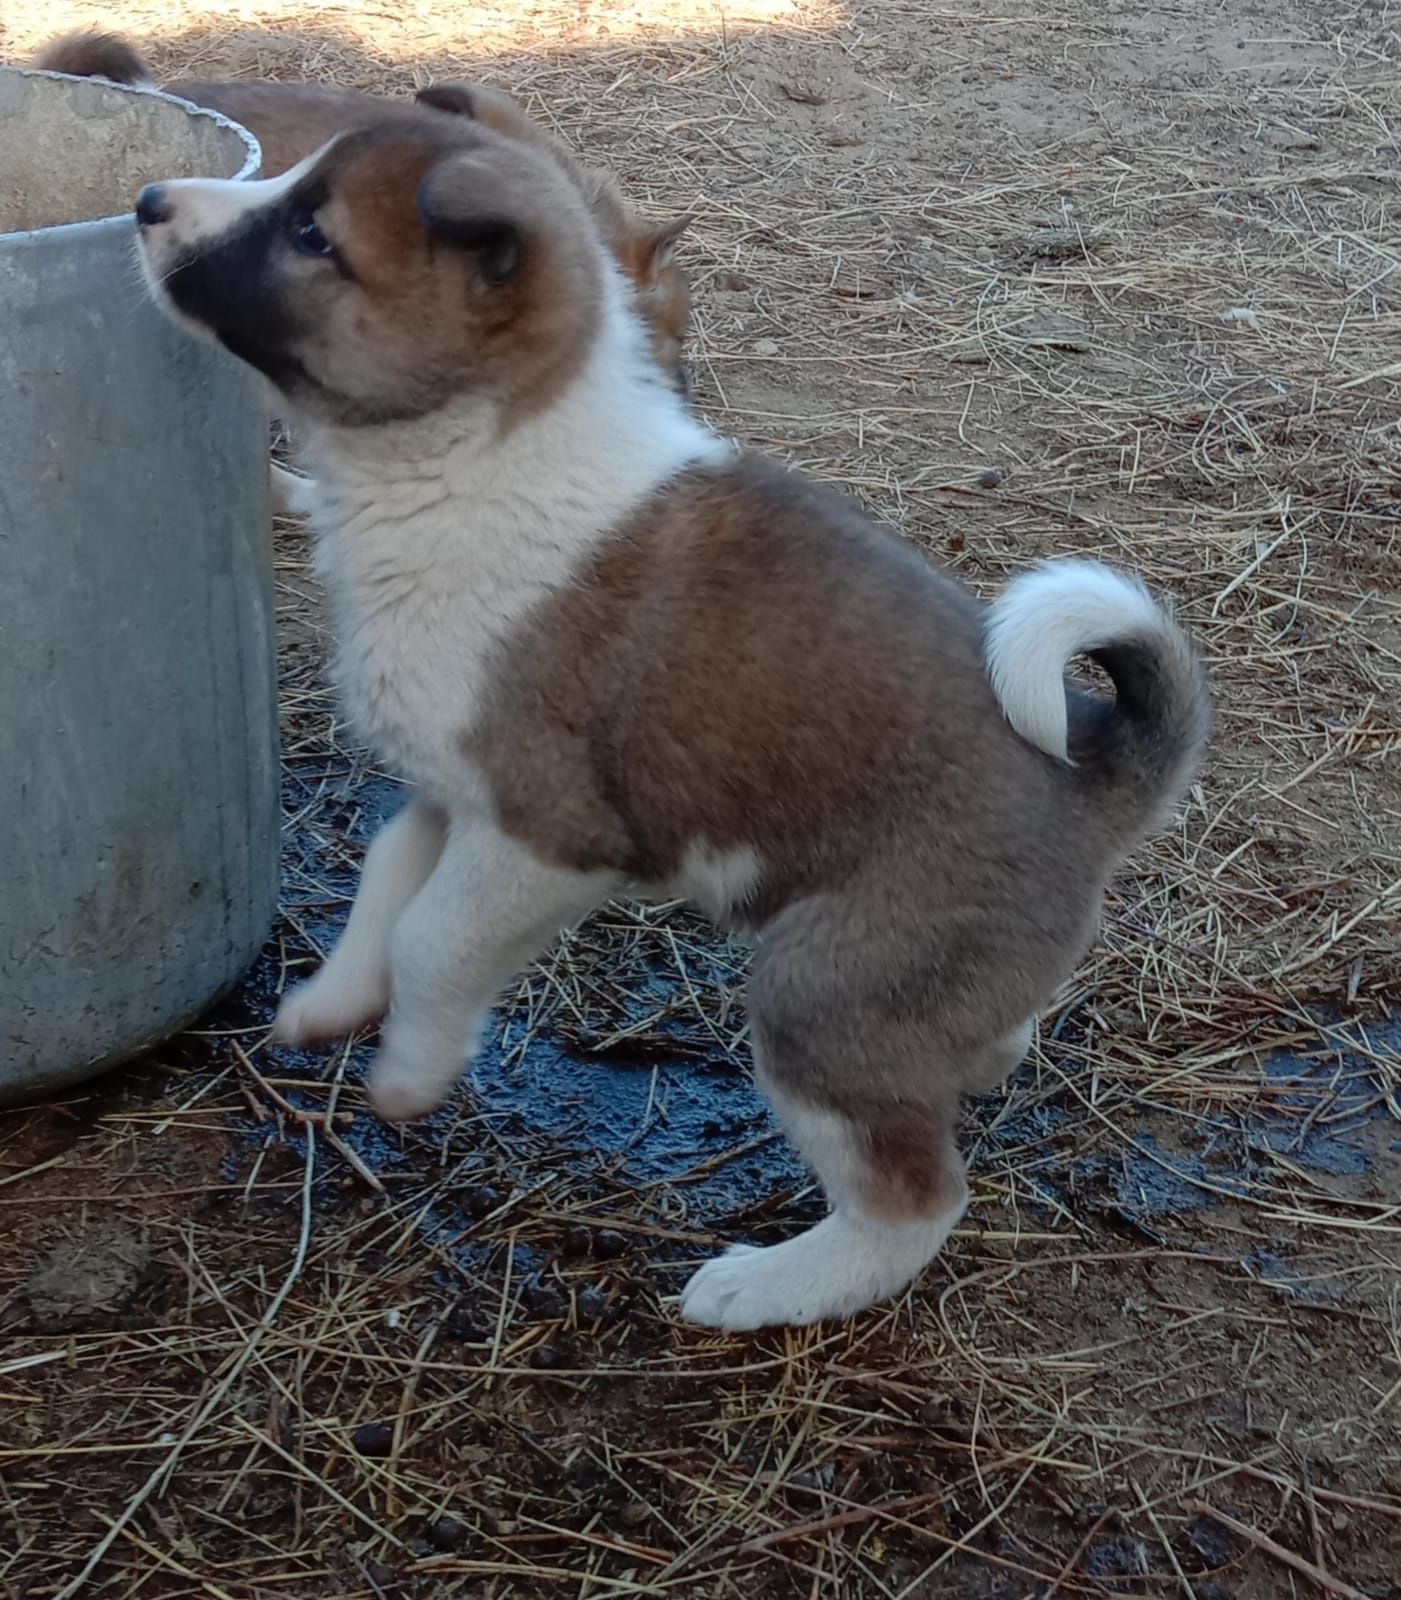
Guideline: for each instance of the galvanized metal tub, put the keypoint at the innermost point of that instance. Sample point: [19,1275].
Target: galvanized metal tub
[138,728]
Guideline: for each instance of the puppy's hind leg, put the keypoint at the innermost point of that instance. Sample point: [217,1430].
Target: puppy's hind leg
[999,1060]
[895,1183]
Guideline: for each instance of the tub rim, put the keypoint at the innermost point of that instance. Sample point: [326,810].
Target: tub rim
[251,168]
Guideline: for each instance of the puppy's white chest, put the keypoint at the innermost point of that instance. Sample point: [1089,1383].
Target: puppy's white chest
[416,613]
[410,674]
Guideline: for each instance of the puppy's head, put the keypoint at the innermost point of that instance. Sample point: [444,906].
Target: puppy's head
[400,266]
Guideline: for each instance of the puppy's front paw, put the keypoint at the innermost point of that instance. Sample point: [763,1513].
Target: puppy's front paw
[328,1007]
[292,496]
[402,1092]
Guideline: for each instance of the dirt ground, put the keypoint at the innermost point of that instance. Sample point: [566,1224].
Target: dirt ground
[1079,276]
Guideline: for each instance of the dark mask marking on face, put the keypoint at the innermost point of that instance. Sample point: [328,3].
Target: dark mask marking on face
[230,285]
[243,285]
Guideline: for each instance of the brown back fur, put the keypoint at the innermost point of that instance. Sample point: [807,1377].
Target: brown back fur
[753,665]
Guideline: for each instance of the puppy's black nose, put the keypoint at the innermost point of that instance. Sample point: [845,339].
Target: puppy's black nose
[151,206]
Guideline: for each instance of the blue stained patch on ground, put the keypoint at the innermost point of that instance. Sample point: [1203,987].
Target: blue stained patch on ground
[1333,1143]
[1271,1268]
[1151,1182]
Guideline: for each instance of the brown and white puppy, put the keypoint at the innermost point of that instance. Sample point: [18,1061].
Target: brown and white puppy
[612,655]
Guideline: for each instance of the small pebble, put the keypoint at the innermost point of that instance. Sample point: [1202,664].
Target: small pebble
[373,1439]
[982,253]
[577,1242]
[633,1514]
[989,479]
[465,1325]
[591,1304]
[765,347]
[1087,1515]
[446,1534]
[483,1201]
[1341,1522]
[544,1300]
[608,1242]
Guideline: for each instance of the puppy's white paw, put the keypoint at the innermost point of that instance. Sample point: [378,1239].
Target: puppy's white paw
[735,1292]
[402,1092]
[329,1007]
[836,1269]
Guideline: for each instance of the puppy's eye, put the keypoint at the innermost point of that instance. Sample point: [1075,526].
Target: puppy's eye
[308,239]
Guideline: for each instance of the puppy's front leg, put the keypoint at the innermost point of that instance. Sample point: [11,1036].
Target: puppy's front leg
[489,907]
[292,496]
[352,989]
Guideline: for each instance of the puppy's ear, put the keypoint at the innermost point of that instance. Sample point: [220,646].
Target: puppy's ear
[664,239]
[491,107]
[465,202]
[649,251]
[454,98]
[495,109]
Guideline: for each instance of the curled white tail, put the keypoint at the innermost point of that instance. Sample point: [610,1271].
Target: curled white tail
[1045,618]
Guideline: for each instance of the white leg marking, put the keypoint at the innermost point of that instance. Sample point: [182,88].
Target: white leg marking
[489,908]
[845,1263]
[352,989]
[1001,1059]
[291,495]
[841,1266]
[718,881]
